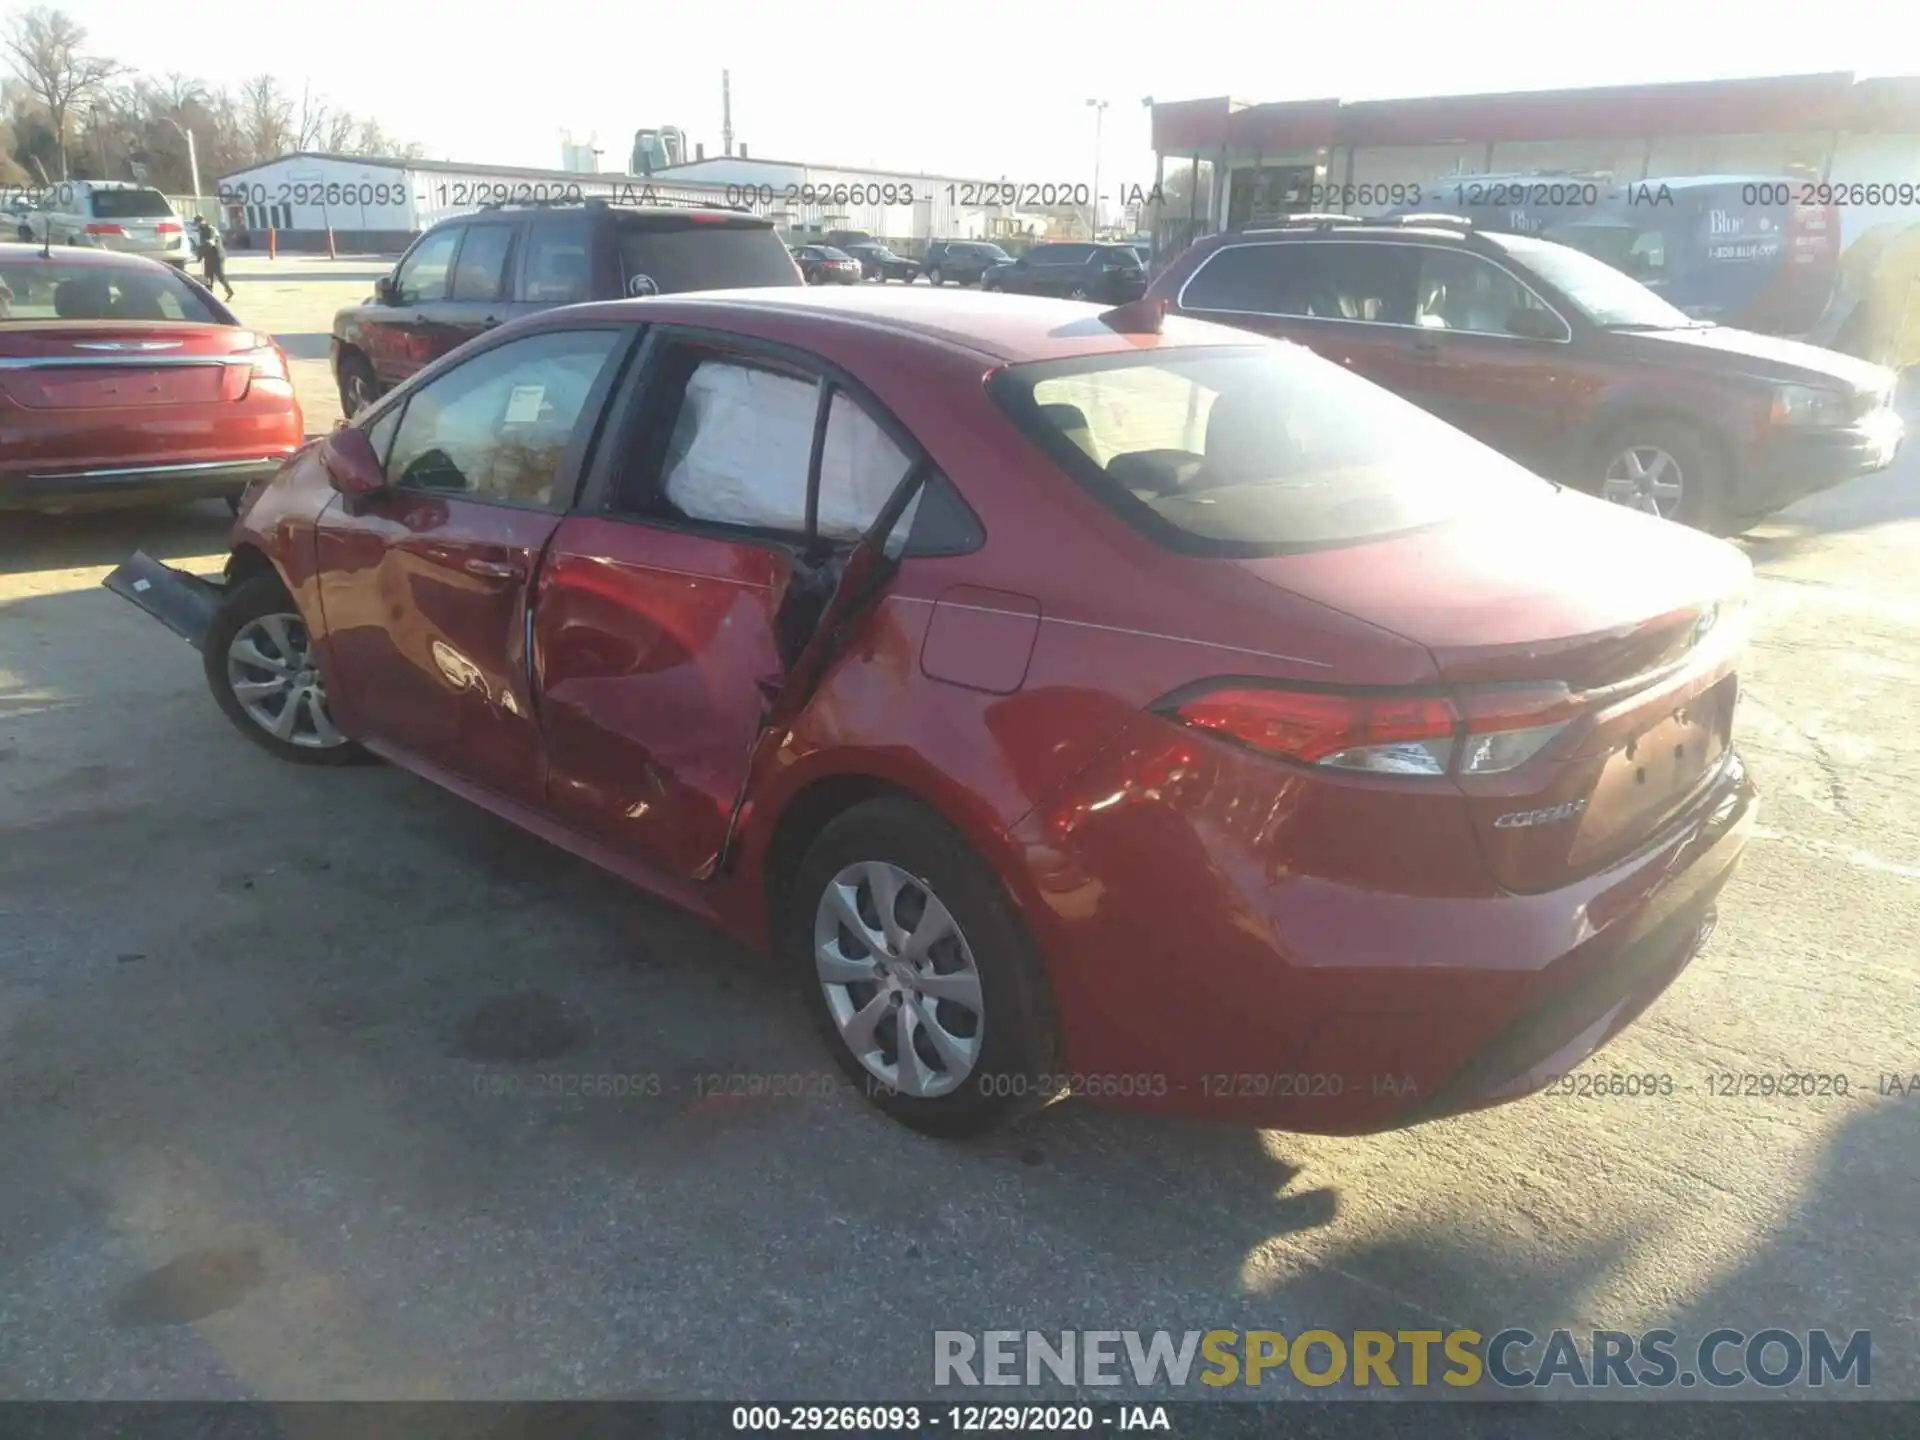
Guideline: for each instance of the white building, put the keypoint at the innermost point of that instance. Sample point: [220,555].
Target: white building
[380,205]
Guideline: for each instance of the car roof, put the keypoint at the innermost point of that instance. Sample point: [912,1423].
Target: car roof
[1006,329]
[15,253]
[589,207]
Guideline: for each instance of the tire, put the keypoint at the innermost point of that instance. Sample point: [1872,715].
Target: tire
[934,277]
[358,387]
[1632,459]
[1012,1030]
[1076,292]
[258,603]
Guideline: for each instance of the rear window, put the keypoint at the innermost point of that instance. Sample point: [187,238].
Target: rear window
[140,204]
[1253,450]
[52,291]
[690,254]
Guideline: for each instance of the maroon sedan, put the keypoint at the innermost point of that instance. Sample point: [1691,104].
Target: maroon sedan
[123,381]
[1169,717]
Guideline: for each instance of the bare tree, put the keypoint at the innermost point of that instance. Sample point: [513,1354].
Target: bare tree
[266,116]
[47,51]
[340,130]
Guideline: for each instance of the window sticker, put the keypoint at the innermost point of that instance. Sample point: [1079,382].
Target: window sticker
[524,404]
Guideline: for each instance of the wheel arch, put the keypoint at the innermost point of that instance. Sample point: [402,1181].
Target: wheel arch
[1609,421]
[247,561]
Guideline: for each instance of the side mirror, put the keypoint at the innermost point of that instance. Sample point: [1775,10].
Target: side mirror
[1531,324]
[351,465]
[384,291]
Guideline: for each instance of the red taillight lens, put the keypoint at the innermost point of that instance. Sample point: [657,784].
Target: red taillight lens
[105,230]
[1477,732]
[166,227]
[1393,734]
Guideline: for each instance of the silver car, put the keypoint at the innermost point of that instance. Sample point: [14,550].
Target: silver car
[112,215]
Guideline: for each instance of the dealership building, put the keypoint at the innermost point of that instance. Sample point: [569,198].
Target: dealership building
[381,205]
[1262,161]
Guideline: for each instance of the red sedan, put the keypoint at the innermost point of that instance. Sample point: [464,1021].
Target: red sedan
[124,382]
[1161,714]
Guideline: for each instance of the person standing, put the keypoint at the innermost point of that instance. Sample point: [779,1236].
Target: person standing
[213,258]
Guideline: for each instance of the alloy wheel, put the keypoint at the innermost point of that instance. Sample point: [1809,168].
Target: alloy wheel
[360,392]
[1078,292]
[1645,477]
[271,669]
[901,984]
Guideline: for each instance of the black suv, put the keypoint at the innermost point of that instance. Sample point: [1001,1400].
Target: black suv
[961,261]
[477,271]
[1110,274]
[1561,361]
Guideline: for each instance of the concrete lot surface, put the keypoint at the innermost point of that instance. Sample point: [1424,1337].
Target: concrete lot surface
[271,1039]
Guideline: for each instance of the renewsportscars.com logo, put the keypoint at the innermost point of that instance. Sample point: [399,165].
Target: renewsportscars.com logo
[1389,1359]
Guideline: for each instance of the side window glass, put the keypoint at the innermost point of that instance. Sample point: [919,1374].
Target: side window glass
[740,448]
[423,274]
[380,433]
[481,269]
[557,268]
[1463,292]
[860,468]
[1244,279]
[1647,257]
[497,428]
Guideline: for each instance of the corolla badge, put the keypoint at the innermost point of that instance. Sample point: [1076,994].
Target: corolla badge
[1517,819]
[1703,627]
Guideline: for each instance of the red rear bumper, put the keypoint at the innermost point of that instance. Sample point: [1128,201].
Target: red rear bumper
[1203,968]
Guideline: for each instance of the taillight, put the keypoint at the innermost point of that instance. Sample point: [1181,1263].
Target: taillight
[105,230]
[1474,732]
[166,227]
[269,363]
[266,370]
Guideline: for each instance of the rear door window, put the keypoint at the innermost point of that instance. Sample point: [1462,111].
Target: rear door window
[1319,280]
[559,269]
[699,252]
[1463,292]
[481,271]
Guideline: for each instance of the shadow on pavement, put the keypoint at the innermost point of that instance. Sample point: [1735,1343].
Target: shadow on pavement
[311,345]
[30,543]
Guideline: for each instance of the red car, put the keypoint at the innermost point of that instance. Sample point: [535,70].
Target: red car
[124,382]
[1163,714]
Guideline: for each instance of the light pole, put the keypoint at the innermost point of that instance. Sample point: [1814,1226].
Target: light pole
[1099,108]
[193,160]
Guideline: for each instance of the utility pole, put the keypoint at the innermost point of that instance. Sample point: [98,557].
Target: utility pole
[193,159]
[726,114]
[1099,108]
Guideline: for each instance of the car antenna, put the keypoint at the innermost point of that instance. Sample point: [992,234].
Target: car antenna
[1138,317]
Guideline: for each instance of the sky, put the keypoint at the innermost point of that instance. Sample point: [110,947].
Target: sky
[998,92]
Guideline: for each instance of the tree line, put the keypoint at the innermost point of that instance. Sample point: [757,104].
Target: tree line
[70,112]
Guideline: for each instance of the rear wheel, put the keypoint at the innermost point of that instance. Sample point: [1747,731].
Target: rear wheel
[934,277]
[263,672]
[1076,292]
[917,971]
[358,388]
[1663,468]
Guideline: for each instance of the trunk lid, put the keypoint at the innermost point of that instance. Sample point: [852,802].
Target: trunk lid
[1640,619]
[80,365]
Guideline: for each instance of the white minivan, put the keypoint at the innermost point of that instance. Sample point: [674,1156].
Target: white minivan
[113,215]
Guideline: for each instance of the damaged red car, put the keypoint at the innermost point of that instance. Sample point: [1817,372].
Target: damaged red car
[1074,701]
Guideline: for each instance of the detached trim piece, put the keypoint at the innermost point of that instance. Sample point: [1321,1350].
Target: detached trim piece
[185,604]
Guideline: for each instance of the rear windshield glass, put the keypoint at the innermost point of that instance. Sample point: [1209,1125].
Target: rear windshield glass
[1255,450]
[130,205]
[693,254]
[48,290]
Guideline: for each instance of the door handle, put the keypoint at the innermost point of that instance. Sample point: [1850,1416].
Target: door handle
[494,569]
[1426,350]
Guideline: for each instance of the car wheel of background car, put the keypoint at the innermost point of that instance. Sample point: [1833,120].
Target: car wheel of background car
[260,663]
[1077,292]
[358,388]
[918,971]
[1665,469]
[934,277]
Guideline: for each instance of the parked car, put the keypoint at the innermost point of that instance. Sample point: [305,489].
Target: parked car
[1111,274]
[21,210]
[1557,359]
[961,261]
[1391,771]
[877,262]
[824,265]
[112,215]
[467,275]
[846,239]
[124,382]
